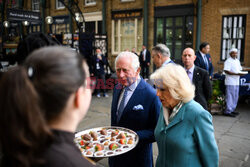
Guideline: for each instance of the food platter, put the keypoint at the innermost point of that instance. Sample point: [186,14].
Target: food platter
[106,141]
[243,72]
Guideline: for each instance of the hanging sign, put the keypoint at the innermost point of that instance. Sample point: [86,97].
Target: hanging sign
[22,15]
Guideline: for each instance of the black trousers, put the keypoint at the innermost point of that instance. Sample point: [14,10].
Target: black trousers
[144,70]
[100,83]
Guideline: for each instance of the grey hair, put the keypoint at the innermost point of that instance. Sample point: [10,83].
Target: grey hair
[134,57]
[163,49]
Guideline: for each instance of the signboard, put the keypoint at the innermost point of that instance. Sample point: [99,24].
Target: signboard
[22,15]
[61,19]
[137,13]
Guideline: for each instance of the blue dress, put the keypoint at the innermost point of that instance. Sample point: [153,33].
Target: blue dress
[188,140]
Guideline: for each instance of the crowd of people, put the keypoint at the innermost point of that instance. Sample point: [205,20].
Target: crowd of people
[44,98]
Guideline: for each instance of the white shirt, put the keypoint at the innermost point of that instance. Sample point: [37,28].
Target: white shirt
[232,65]
[144,55]
[130,92]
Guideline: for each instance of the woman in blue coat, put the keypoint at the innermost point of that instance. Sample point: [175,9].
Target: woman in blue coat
[184,132]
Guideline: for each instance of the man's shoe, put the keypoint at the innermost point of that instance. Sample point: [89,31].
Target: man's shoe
[106,95]
[235,113]
[229,114]
[98,95]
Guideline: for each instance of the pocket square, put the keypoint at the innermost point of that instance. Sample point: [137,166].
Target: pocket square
[138,107]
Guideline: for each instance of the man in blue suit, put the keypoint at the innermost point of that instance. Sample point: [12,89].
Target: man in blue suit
[134,106]
[203,59]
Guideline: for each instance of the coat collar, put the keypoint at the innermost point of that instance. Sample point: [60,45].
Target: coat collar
[178,117]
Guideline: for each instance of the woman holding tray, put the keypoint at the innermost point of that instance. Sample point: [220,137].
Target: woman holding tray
[41,104]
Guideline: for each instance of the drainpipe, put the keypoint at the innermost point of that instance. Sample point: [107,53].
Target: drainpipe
[198,29]
[70,20]
[103,16]
[43,15]
[20,23]
[145,23]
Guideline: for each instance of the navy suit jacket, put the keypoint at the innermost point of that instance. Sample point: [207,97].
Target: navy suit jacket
[148,58]
[203,87]
[143,122]
[101,64]
[200,62]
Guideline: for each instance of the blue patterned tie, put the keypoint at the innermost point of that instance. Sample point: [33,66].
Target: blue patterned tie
[122,104]
[206,63]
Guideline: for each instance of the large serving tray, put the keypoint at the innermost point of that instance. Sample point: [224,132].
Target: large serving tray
[105,141]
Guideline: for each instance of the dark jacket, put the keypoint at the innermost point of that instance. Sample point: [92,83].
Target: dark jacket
[142,121]
[148,58]
[203,87]
[200,63]
[101,63]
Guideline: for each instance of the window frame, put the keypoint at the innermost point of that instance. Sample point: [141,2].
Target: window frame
[136,20]
[57,5]
[224,55]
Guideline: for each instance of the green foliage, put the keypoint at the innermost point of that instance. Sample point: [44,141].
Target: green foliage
[217,95]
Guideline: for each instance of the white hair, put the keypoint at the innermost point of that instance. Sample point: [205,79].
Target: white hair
[134,59]
[175,78]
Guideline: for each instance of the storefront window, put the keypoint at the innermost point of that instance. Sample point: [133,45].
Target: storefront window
[233,35]
[127,33]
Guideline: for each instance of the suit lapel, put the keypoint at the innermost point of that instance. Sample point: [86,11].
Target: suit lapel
[195,75]
[134,98]
[177,118]
[116,96]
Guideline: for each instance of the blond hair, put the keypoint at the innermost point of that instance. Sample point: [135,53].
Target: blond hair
[175,78]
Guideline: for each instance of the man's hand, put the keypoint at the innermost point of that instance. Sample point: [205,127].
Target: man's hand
[148,64]
[99,57]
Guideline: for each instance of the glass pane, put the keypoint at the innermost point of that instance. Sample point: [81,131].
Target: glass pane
[116,35]
[169,22]
[178,34]
[139,34]
[178,21]
[225,22]
[189,32]
[159,30]
[169,39]
[178,44]
[178,50]
[127,34]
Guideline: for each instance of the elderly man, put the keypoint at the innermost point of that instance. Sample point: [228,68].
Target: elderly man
[134,106]
[198,76]
[203,59]
[232,69]
[161,55]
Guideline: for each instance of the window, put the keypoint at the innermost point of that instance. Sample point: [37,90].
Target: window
[90,2]
[233,35]
[126,34]
[59,5]
[176,33]
[35,5]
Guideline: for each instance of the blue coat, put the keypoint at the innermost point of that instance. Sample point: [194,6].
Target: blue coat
[143,122]
[188,141]
[200,63]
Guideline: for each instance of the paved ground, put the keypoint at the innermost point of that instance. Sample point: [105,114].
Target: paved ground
[232,134]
